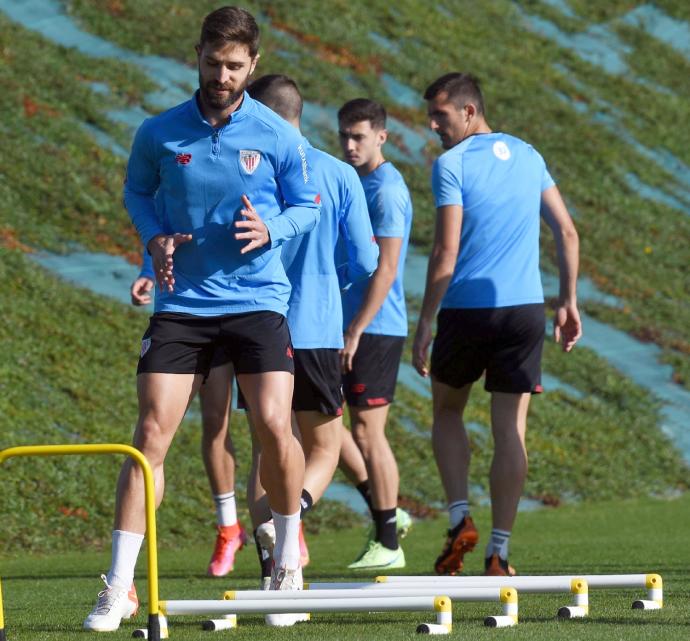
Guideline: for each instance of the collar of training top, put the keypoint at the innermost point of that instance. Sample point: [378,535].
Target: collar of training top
[246,106]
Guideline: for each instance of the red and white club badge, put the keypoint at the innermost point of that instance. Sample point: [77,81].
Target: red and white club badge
[250,160]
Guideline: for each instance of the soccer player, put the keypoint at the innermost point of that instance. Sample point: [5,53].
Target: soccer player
[217,451]
[375,321]
[235,184]
[490,189]
[315,307]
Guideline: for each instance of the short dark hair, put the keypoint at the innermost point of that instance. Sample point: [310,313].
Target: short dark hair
[361,109]
[462,88]
[278,92]
[231,24]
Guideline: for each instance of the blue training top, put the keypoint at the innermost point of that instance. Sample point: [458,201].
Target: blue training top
[315,313]
[185,176]
[390,211]
[497,179]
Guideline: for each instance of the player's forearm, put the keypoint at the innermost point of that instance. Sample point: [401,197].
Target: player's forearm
[146,266]
[379,286]
[142,211]
[440,271]
[292,222]
[568,250]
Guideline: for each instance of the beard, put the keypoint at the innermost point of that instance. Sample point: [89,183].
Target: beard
[216,101]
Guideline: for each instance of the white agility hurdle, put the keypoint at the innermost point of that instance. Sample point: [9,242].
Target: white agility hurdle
[267,602]
[577,585]
[508,597]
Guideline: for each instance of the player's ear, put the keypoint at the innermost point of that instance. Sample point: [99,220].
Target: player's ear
[255,61]
[470,110]
[382,137]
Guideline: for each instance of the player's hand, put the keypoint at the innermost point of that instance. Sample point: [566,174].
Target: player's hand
[347,353]
[162,248]
[420,347]
[139,291]
[256,232]
[567,326]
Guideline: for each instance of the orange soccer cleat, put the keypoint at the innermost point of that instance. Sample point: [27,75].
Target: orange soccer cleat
[230,539]
[461,539]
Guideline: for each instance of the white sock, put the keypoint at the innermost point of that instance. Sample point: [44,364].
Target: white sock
[457,511]
[226,510]
[126,546]
[286,551]
[498,544]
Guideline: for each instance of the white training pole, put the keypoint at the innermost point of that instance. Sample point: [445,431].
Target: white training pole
[455,593]
[538,584]
[265,606]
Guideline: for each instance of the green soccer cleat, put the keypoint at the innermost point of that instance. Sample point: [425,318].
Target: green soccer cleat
[403,522]
[377,557]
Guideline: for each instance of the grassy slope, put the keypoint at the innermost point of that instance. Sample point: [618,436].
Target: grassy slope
[75,351]
[645,264]
[49,605]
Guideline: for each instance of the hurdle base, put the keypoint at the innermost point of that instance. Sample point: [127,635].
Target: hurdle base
[433,628]
[158,625]
[2,634]
[646,604]
[228,622]
[501,621]
[572,612]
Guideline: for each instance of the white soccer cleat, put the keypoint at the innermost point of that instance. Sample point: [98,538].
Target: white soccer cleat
[113,605]
[286,580]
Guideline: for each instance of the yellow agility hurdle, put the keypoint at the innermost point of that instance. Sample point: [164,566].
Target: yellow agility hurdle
[154,633]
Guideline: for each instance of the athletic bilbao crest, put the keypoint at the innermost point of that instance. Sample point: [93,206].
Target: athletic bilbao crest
[250,160]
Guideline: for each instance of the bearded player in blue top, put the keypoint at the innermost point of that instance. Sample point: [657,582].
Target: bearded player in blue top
[234,184]
[490,189]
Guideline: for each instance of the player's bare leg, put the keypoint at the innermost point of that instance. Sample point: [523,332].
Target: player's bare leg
[452,453]
[351,461]
[163,401]
[321,436]
[281,468]
[218,454]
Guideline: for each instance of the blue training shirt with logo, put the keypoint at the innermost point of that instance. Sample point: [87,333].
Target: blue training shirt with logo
[185,176]
[390,211]
[498,180]
[315,315]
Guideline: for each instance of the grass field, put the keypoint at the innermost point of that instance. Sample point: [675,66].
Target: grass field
[47,597]
[67,373]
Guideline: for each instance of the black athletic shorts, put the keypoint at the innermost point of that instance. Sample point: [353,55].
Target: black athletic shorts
[374,371]
[318,383]
[255,342]
[506,342]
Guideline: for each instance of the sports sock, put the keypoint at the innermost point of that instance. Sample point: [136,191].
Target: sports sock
[265,559]
[457,511]
[364,489]
[386,530]
[226,509]
[286,551]
[306,503]
[498,544]
[126,546]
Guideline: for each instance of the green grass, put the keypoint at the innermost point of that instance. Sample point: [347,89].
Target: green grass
[76,384]
[47,597]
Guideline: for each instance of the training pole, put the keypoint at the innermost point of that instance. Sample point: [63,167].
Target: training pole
[150,497]
[540,584]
